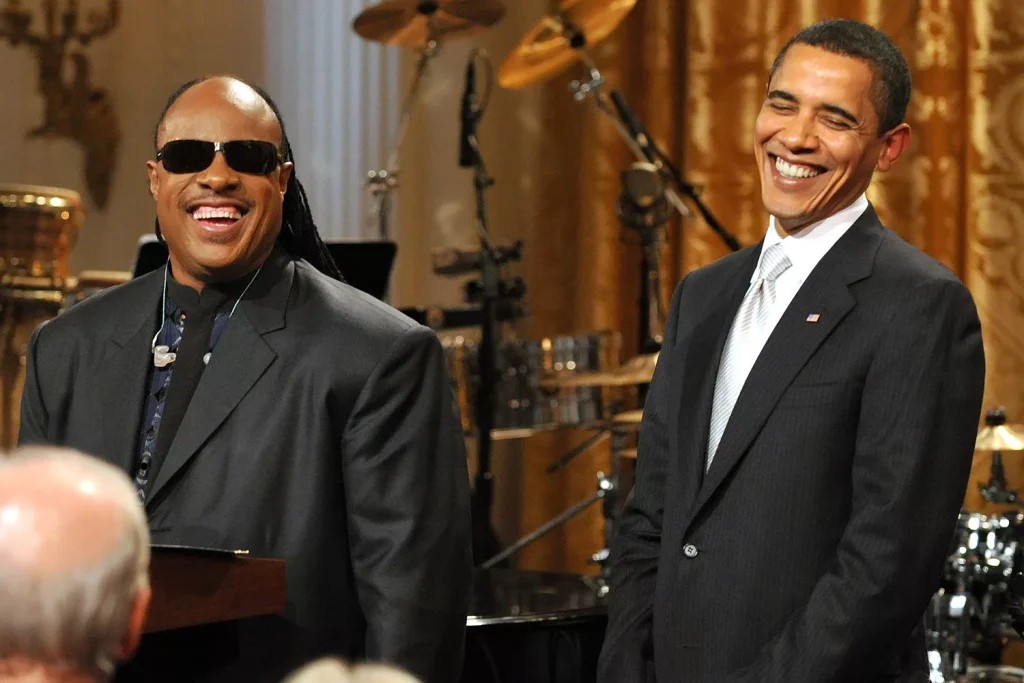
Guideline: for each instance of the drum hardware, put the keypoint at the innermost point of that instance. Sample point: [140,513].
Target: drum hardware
[600,437]
[948,620]
[620,424]
[420,24]
[636,371]
[619,428]
[381,183]
[523,406]
[455,261]
[996,437]
[557,42]
[972,617]
[606,486]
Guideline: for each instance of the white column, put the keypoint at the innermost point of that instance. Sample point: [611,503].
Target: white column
[339,96]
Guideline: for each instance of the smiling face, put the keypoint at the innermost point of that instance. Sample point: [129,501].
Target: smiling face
[219,224]
[816,137]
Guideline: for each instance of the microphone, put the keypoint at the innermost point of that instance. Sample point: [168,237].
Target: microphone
[643,203]
[467,155]
[632,122]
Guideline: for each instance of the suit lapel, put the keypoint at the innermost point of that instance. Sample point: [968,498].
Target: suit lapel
[793,341]
[121,384]
[236,364]
[703,354]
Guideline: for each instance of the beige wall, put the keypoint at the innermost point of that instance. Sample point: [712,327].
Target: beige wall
[158,45]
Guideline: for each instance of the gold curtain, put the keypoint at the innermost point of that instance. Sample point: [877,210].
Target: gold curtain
[696,72]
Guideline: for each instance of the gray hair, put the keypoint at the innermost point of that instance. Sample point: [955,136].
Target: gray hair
[77,616]
[331,670]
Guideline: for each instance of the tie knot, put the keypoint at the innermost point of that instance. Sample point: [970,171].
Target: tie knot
[774,262]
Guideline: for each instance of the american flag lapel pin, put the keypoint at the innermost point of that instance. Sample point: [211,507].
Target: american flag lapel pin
[813,317]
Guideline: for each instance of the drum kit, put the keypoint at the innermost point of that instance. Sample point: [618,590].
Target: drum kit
[978,611]
[511,388]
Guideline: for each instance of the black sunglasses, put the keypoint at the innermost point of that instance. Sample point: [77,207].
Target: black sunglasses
[255,157]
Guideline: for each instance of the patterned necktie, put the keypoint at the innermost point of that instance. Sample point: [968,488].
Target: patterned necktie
[750,323]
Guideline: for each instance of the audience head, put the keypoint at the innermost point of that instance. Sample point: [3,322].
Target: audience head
[74,566]
[336,671]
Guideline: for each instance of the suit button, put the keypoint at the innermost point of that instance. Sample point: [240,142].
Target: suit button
[690,550]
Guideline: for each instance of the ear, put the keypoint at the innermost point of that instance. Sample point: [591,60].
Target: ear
[136,623]
[893,144]
[285,175]
[154,178]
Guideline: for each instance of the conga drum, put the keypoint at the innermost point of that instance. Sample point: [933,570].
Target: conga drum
[38,229]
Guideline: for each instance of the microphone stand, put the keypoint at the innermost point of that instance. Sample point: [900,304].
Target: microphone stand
[592,89]
[485,541]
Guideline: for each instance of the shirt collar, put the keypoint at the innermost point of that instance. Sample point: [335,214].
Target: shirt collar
[806,247]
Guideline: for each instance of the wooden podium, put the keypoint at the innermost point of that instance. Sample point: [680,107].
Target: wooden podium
[200,598]
[196,586]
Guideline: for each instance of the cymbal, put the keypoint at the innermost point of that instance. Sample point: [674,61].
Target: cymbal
[638,370]
[553,44]
[1000,438]
[414,23]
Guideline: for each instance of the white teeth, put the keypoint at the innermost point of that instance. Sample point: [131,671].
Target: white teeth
[793,170]
[209,212]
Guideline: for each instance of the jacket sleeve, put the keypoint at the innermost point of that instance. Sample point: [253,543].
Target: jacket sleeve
[627,654]
[915,441]
[34,422]
[407,492]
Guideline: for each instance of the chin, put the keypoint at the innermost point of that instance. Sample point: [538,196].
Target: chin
[215,258]
[784,208]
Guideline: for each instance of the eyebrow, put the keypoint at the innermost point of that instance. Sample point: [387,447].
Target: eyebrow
[831,108]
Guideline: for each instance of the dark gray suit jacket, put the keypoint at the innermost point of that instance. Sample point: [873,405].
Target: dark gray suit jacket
[809,551]
[322,432]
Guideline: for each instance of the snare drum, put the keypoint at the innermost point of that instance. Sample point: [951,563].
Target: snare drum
[522,406]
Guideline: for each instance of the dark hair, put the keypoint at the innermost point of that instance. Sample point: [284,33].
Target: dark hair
[299,235]
[890,88]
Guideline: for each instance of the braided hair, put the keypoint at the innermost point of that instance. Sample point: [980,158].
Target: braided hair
[299,235]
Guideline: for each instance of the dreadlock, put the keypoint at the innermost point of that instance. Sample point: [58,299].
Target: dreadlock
[299,235]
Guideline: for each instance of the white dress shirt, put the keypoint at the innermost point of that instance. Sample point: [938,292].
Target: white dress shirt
[804,249]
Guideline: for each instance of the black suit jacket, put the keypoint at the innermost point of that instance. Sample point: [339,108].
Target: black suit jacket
[322,431]
[810,549]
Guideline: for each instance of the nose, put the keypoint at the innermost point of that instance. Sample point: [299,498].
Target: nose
[799,134]
[218,176]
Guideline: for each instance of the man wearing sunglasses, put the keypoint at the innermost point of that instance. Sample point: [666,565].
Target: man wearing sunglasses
[260,403]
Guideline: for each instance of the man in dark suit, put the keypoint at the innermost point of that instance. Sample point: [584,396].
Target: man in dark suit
[260,403]
[809,430]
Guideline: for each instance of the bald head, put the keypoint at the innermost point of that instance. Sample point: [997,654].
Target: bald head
[74,558]
[60,511]
[233,104]
[332,670]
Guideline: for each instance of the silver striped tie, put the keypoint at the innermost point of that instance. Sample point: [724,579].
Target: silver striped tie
[751,320]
